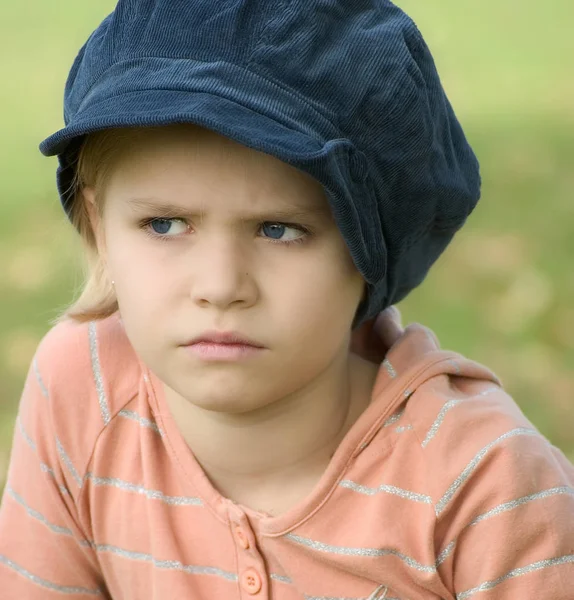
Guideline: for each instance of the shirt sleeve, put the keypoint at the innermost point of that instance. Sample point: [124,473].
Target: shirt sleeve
[44,553]
[507,521]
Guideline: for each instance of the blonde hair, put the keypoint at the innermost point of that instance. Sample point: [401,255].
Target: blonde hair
[94,164]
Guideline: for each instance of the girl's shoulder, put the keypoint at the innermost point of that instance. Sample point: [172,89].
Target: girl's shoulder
[80,378]
[88,364]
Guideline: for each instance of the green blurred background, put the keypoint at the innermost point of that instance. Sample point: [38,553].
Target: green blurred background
[502,293]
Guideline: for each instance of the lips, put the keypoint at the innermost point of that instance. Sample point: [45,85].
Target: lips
[224,337]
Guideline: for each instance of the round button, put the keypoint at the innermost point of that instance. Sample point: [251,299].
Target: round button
[241,537]
[251,581]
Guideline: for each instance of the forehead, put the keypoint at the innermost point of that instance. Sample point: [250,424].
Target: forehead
[182,165]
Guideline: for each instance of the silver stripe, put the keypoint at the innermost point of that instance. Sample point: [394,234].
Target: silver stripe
[408,393]
[390,489]
[36,514]
[390,421]
[474,462]
[506,506]
[43,466]
[373,596]
[379,594]
[320,547]
[280,578]
[47,469]
[50,472]
[39,379]
[63,589]
[394,418]
[440,418]
[28,439]
[455,365]
[451,404]
[104,409]
[130,414]
[390,369]
[445,553]
[307,597]
[524,500]
[403,428]
[166,564]
[140,489]
[537,566]
[431,339]
[68,462]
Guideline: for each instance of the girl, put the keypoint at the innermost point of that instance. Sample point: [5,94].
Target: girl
[221,414]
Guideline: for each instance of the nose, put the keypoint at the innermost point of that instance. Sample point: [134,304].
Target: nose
[220,273]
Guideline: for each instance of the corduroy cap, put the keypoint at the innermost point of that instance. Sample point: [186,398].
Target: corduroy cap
[346,91]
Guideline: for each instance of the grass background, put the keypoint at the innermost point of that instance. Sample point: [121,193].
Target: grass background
[502,293]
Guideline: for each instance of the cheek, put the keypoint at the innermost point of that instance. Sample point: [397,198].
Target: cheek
[132,258]
[140,282]
[340,276]
[325,289]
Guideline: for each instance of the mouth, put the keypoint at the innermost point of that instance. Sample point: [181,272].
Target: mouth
[228,338]
[212,351]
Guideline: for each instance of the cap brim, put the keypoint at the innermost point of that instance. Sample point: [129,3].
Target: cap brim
[147,108]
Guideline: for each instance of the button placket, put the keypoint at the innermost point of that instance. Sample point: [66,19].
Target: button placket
[251,566]
[251,581]
[241,537]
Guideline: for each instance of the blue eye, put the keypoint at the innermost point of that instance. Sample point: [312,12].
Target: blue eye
[160,226]
[277,230]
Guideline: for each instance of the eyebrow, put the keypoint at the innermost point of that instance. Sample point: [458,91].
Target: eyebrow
[168,209]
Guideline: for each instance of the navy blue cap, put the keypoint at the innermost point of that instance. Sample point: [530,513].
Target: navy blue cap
[345,91]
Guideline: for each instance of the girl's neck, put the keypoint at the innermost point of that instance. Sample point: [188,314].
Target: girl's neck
[248,457]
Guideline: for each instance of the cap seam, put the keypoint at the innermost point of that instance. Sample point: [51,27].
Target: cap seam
[403,92]
[252,72]
[265,33]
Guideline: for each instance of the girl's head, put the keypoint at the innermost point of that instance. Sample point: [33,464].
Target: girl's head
[199,232]
[354,102]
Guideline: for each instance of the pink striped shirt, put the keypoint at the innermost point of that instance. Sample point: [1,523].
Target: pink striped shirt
[442,489]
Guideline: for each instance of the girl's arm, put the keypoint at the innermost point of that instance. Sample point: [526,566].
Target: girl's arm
[44,552]
[507,521]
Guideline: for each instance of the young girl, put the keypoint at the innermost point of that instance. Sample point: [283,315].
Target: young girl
[222,414]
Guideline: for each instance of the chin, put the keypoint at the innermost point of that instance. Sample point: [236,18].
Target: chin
[227,405]
[221,396]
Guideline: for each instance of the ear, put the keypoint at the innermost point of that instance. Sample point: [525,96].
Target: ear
[89,199]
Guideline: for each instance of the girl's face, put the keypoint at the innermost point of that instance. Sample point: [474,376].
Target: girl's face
[201,233]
